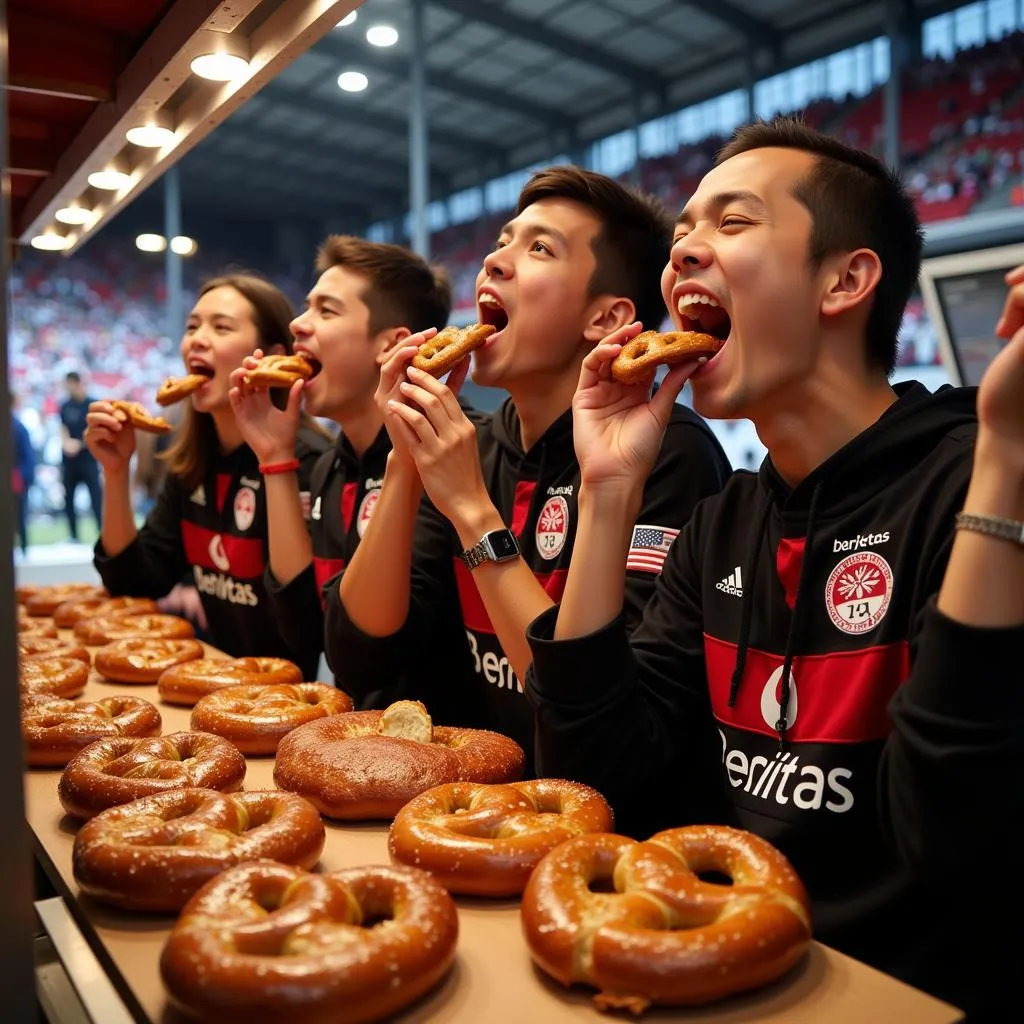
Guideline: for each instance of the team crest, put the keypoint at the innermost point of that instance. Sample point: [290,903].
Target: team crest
[245,508]
[858,592]
[366,507]
[552,527]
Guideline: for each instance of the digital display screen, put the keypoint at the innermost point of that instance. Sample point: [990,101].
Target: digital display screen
[971,304]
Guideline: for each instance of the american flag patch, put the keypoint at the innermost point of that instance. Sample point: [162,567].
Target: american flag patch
[649,547]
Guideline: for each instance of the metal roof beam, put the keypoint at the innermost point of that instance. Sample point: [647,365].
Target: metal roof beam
[756,29]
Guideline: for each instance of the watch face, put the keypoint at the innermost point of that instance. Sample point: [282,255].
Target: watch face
[503,544]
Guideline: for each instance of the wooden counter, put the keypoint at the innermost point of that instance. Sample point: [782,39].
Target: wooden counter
[493,979]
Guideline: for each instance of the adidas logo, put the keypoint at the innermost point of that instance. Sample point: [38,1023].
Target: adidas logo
[732,584]
[315,514]
[198,495]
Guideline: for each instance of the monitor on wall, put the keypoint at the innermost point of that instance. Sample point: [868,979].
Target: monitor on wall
[964,295]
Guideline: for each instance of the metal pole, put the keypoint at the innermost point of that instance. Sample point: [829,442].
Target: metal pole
[749,79]
[172,261]
[891,94]
[419,160]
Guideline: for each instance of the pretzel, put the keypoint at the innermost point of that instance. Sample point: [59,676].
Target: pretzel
[46,599]
[255,718]
[137,415]
[141,660]
[186,683]
[37,627]
[35,648]
[154,853]
[98,631]
[278,372]
[349,769]
[638,358]
[174,389]
[24,592]
[69,613]
[663,935]
[58,677]
[116,771]
[449,347]
[55,730]
[266,941]
[486,840]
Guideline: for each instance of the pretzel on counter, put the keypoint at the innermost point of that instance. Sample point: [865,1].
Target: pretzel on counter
[96,632]
[58,677]
[174,389]
[449,347]
[278,371]
[136,414]
[142,660]
[186,683]
[639,356]
[35,648]
[44,600]
[68,614]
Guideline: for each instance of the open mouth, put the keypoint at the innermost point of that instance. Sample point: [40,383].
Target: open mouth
[492,312]
[314,363]
[703,314]
[201,370]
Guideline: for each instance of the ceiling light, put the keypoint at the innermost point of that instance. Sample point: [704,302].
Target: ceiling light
[151,243]
[110,179]
[50,241]
[183,245]
[220,67]
[154,131]
[74,215]
[381,35]
[347,20]
[352,81]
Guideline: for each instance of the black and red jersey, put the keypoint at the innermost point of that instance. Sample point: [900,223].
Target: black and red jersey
[218,530]
[886,763]
[448,654]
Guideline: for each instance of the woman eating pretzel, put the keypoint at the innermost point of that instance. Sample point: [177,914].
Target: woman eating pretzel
[210,514]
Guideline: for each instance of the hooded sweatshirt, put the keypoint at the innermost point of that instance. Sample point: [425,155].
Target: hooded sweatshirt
[793,677]
[447,650]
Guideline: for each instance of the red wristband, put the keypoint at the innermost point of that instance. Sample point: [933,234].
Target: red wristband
[269,468]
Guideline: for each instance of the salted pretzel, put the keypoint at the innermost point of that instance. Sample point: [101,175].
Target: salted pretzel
[255,718]
[174,389]
[98,631]
[639,357]
[54,729]
[186,683]
[116,771]
[44,600]
[486,840]
[154,853]
[266,941]
[58,677]
[141,660]
[34,648]
[663,935]
[278,371]
[449,347]
[349,768]
[28,626]
[68,614]
[138,416]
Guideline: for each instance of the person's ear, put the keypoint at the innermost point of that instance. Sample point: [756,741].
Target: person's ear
[606,314]
[850,282]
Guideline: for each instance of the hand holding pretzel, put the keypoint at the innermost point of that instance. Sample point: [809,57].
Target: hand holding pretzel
[106,437]
[137,415]
[269,431]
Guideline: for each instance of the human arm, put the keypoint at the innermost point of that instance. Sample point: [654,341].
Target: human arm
[112,443]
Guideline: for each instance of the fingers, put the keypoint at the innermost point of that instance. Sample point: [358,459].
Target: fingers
[1012,318]
[393,369]
[664,398]
[458,376]
[295,399]
[419,427]
[1015,276]
[427,382]
[597,366]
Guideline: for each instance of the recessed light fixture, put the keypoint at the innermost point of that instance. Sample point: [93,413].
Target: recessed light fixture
[347,20]
[73,214]
[220,67]
[352,81]
[154,130]
[110,179]
[183,245]
[381,35]
[151,243]
[50,241]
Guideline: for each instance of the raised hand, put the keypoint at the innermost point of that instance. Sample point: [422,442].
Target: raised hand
[111,441]
[270,432]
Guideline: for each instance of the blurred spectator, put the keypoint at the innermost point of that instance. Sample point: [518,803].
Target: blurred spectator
[78,465]
[23,471]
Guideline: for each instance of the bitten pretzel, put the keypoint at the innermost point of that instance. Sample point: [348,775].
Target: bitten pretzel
[449,347]
[115,771]
[140,660]
[68,614]
[138,416]
[186,683]
[279,372]
[154,853]
[266,941]
[663,935]
[486,840]
[349,769]
[174,389]
[98,631]
[255,718]
[58,677]
[55,729]
[35,648]
[640,356]
[46,599]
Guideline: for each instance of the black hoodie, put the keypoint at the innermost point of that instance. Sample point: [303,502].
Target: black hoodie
[889,768]
[448,648]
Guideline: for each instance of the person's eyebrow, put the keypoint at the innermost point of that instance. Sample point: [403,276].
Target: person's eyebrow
[536,229]
[720,201]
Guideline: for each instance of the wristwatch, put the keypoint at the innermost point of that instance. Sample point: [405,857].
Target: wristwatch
[496,546]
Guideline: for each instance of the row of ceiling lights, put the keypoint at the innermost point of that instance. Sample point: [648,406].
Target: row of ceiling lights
[376,35]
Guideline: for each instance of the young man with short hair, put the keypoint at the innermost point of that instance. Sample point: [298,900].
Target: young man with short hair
[446,595]
[826,662]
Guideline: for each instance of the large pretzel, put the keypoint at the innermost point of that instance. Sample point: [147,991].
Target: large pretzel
[648,350]
[44,600]
[486,840]
[174,389]
[154,853]
[186,683]
[55,729]
[662,935]
[138,416]
[70,613]
[98,631]
[266,941]
[113,772]
[141,660]
[278,372]
[449,347]
[57,677]
[36,648]
[255,718]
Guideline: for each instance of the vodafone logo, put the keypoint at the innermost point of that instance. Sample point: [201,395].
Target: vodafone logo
[771,707]
[858,592]
[218,555]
